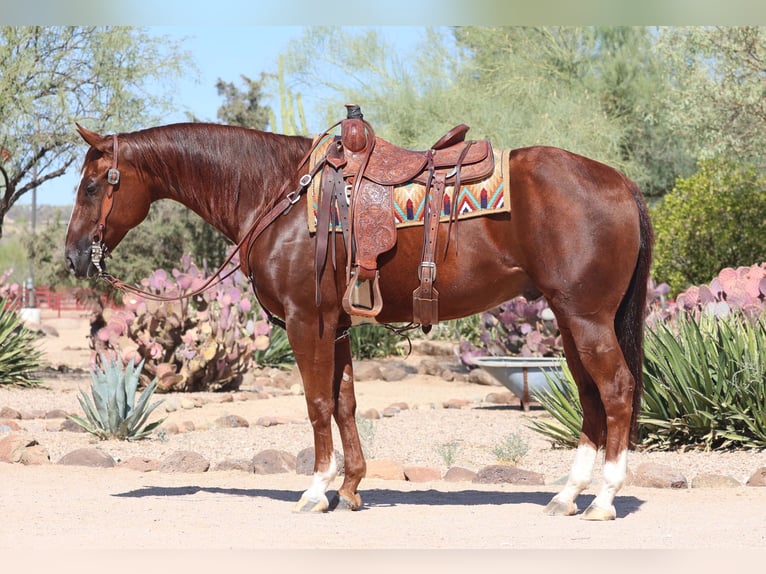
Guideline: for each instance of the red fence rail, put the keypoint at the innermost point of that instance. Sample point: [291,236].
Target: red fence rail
[45,298]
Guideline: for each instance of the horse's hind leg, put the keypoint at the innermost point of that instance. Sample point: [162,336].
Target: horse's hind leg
[600,355]
[591,435]
[345,417]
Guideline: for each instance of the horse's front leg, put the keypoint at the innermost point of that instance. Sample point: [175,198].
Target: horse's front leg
[313,347]
[345,415]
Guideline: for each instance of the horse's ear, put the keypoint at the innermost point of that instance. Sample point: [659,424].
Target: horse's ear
[91,138]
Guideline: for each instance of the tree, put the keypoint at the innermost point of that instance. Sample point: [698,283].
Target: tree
[54,76]
[243,107]
[717,98]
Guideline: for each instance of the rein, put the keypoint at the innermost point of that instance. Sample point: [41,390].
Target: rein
[281,207]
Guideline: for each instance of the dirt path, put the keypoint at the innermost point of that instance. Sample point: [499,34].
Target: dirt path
[55,508]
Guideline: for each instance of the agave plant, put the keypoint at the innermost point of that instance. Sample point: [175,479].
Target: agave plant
[19,357]
[113,413]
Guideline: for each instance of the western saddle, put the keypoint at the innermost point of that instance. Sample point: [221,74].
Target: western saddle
[359,172]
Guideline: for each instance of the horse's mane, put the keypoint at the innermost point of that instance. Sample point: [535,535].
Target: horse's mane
[211,167]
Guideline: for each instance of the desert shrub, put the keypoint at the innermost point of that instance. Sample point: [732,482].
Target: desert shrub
[372,341]
[19,355]
[711,220]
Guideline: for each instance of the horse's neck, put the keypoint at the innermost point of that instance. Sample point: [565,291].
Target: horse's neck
[245,188]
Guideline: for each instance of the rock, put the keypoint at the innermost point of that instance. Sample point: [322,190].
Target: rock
[653,475]
[273,461]
[169,428]
[296,389]
[482,377]
[12,447]
[186,426]
[188,404]
[227,398]
[8,425]
[139,463]
[709,480]
[502,398]
[434,348]
[35,454]
[33,414]
[456,403]
[242,464]
[271,421]
[367,371]
[56,414]
[430,367]
[502,473]
[421,474]
[758,478]
[370,414]
[385,469]
[9,413]
[184,461]
[92,457]
[305,461]
[391,412]
[396,371]
[231,421]
[459,474]
[70,426]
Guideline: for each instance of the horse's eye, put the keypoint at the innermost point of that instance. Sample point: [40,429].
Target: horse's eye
[91,187]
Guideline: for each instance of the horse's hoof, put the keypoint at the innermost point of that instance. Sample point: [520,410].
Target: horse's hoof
[558,508]
[598,513]
[312,505]
[345,503]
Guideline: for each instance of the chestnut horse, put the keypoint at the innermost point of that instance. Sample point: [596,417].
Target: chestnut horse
[578,233]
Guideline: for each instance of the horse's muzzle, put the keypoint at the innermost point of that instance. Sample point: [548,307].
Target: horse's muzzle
[79,264]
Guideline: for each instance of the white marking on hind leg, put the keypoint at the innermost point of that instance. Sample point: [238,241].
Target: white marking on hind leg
[579,479]
[614,477]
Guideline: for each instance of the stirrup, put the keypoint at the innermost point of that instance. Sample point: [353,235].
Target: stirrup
[362,297]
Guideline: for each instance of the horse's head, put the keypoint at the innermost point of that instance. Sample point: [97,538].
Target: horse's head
[110,201]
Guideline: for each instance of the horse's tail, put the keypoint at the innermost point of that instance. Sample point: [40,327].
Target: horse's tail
[629,322]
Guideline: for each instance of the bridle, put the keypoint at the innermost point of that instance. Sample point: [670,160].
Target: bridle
[281,206]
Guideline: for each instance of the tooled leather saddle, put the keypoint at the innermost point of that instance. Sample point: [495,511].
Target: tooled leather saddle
[359,173]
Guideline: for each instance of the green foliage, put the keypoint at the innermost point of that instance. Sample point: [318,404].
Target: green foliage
[705,384]
[717,83]
[367,429]
[113,413]
[513,448]
[278,354]
[562,402]
[371,341]
[243,107]
[711,220]
[704,387]
[448,452]
[55,75]
[19,356]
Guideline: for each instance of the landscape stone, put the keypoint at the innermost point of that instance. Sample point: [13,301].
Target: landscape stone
[459,474]
[367,371]
[69,425]
[12,447]
[231,421]
[9,413]
[421,474]
[32,414]
[710,480]
[92,457]
[385,469]
[242,464]
[7,425]
[503,473]
[758,478]
[56,414]
[140,464]
[305,461]
[273,461]
[184,461]
[394,371]
[35,454]
[654,475]
[370,414]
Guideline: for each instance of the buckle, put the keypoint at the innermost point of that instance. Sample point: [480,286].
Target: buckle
[113,176]
[432,270]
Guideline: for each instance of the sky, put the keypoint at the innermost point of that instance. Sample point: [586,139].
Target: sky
[224,52]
